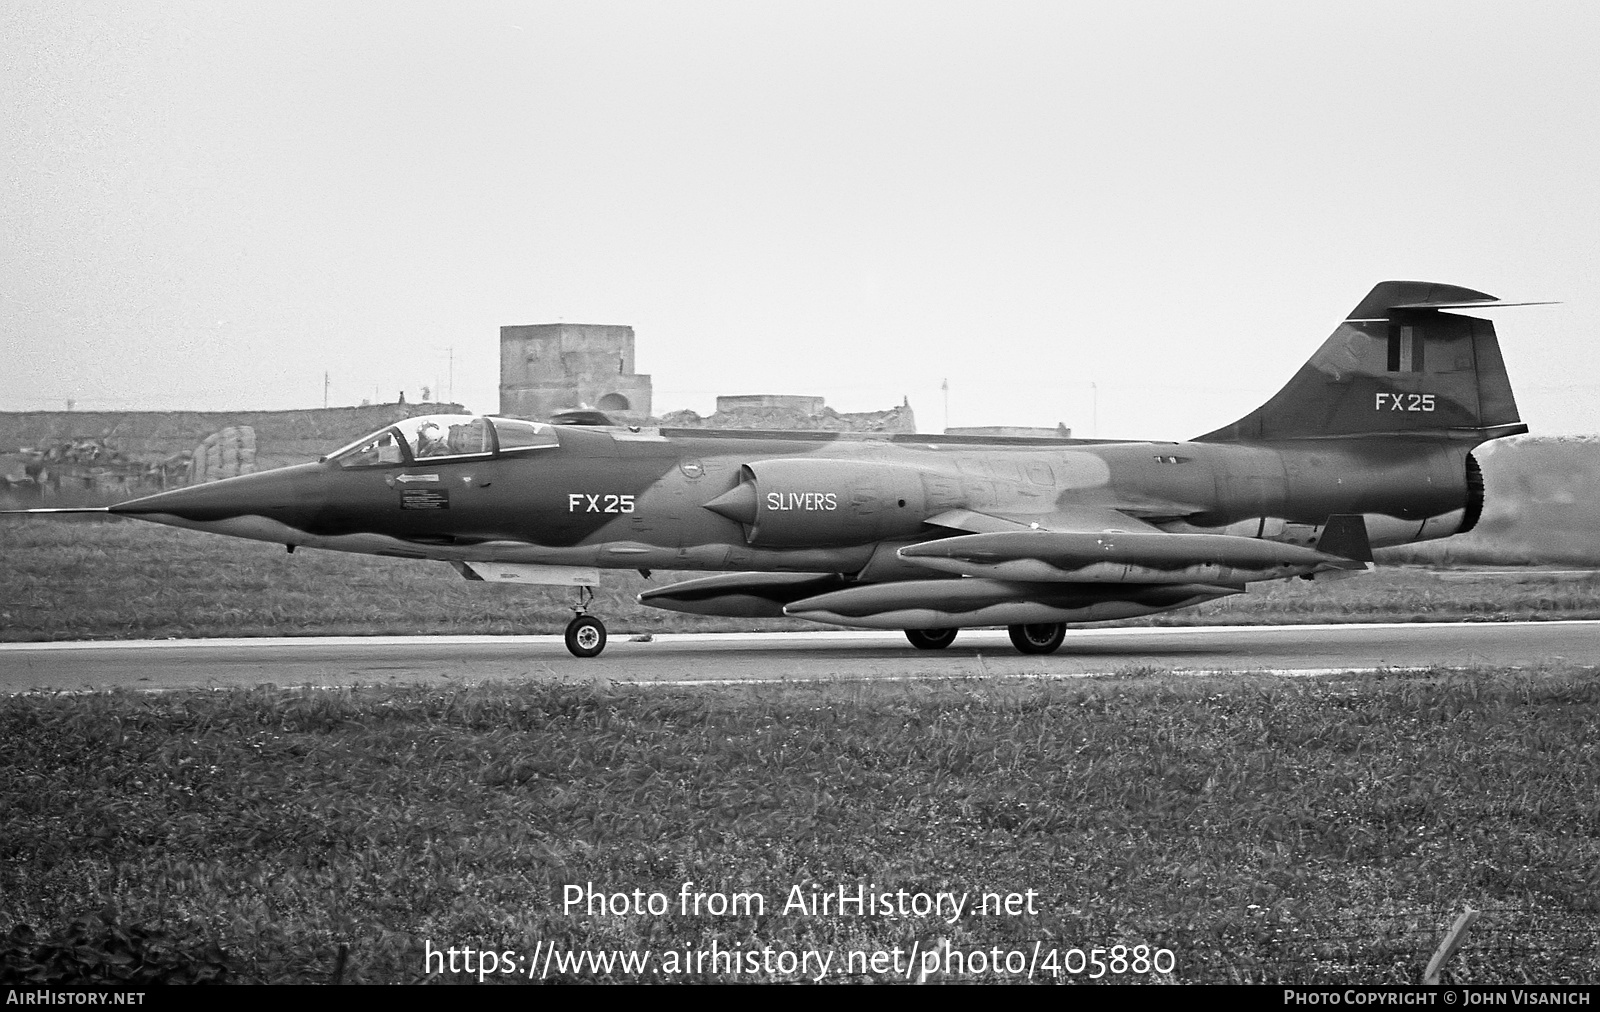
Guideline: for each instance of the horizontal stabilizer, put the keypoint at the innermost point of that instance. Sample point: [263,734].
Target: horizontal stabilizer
[1468,304]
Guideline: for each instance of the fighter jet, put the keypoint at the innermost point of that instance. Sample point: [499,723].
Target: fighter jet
[1368,445]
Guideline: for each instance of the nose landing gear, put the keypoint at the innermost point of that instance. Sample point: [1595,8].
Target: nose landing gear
[586,635]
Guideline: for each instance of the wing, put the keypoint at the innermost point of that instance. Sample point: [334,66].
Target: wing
[1075,519]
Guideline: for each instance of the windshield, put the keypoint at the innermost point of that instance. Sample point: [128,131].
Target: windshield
[440,437]
[379,448]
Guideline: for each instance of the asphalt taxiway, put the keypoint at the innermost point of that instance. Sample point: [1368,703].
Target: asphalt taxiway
[712,658]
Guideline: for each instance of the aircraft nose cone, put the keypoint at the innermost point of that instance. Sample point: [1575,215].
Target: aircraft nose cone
[278,493]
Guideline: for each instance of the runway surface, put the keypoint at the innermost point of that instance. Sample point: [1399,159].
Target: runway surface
[736,657]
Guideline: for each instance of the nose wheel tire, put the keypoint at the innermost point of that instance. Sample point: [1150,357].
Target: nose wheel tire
[586,636]
[1038,639]
[931,639]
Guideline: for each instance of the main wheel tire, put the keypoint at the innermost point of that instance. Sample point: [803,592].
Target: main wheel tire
[586,636]
[1038,639]
[931,639]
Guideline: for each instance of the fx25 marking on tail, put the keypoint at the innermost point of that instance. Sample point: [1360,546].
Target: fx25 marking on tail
[1404,402]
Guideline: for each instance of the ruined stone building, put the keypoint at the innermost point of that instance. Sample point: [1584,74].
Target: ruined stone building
[734,403]
[784,411]
[550,367]
[547,368]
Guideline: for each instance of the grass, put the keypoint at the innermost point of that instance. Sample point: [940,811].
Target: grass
[1318,830]
[122,579]
[93,579]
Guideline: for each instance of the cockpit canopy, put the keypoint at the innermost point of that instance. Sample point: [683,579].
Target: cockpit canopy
[427,438]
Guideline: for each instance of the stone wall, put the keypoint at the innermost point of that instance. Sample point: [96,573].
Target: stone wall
[282,437]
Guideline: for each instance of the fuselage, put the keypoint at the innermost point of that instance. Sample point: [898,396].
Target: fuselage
[616,498]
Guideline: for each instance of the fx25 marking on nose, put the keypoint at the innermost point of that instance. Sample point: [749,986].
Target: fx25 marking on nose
[580,502]
[1404,402]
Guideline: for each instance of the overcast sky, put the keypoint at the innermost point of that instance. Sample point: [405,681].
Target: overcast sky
[210,205]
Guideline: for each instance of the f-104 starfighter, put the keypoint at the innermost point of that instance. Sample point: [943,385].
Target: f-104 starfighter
[1368,445]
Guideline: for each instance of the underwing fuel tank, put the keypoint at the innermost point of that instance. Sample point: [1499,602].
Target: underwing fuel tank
[947,604]
[1120,557]
[741,595]
[807,502]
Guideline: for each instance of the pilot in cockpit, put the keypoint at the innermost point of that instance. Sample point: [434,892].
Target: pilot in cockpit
[432,441]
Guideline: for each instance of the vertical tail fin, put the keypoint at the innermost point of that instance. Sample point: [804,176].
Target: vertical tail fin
[1397,365]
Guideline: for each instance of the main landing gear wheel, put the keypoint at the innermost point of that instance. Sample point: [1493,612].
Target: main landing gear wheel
[586,636]
[1038,639]
[931,639]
